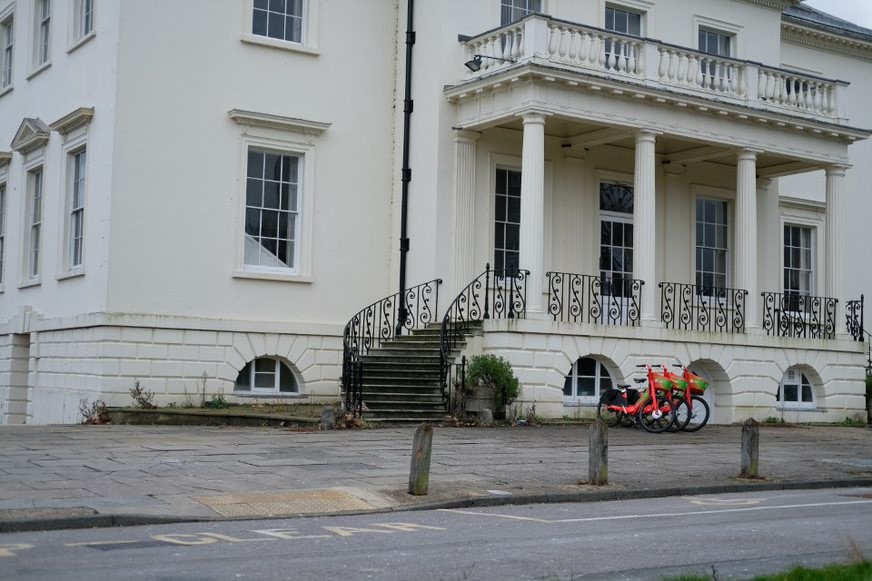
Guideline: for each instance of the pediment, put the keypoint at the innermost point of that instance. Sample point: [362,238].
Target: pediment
[32,134]
[72,121]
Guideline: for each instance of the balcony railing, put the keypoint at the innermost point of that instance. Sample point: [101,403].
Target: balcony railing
[799,316]
[655,64]
[690,307]
[581,298]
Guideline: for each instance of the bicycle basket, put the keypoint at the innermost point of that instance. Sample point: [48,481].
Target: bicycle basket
[613,396]
[697,383]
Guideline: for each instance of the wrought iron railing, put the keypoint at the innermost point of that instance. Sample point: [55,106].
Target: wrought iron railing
[582,298]
[691,307]
[494,294]
[380,322]
[799,316]
[454,396]
[854,311]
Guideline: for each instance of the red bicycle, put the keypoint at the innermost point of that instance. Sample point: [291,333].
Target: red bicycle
[691,410]
[652,409]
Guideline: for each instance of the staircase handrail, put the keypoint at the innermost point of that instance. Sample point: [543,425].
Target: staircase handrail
[507,299]
[854,319]
[379,322]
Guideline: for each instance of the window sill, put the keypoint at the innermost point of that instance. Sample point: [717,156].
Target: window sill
[578,404]
[38,70]
[280,44]
[81,41]
[30,283]
[71,274]
[275,276]
[799,408]
[6,90]
[271,395]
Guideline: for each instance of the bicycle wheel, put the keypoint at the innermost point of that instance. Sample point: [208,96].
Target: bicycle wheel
[699,414]
[656,421]
[609,416]
[682,414]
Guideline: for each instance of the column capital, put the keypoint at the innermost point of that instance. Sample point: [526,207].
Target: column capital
[647,136]
[466,135]
[837,170]
[748,154]
[533,115]
[764,183]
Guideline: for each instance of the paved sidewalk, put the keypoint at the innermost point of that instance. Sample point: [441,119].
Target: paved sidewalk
[72,476]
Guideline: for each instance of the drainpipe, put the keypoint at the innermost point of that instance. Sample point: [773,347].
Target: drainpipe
[406,177]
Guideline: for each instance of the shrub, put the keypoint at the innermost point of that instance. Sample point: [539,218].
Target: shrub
[142,398]
[217,402]
[94,414]
[495,375]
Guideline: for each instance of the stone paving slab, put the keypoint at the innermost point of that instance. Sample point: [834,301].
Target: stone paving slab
[177,472]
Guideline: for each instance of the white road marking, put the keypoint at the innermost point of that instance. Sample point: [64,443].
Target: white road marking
[659,515]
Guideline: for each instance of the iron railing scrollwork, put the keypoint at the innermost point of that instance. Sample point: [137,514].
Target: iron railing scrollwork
[799,316]
[380,322]
[583,298]
[494,294]
[456,386]
[690,307]
[854,315]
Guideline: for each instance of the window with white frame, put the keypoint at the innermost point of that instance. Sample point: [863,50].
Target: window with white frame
[279,19]
[715,43]
[34,221]
[7,39]
[266,375]
[795,390]
[507,219]
[798,261]
[272,209]
[623,21]
[2,230]
[512,10]
[711,245]
[42,34]
[84,14]
[585,381]
[76,224]
[616,239]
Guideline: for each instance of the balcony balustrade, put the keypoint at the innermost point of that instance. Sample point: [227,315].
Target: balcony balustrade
[581,298]
[689,307]
[799,316]
[655,65]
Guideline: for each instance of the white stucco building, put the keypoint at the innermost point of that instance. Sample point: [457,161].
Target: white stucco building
[202,193]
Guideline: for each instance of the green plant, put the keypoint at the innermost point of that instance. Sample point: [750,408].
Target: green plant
[217,402]
[495,375]
[142,398]
[773,420]
[95,414]
[187,400]
[853,421]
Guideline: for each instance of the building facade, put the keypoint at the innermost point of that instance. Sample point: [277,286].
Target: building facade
[207,209]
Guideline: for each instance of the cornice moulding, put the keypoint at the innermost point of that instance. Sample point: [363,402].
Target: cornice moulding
[776,4]
[292,124]
[5,158]
[74,120]
[821,40]
[32,134]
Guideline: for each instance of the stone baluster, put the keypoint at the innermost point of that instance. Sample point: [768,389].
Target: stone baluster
[564,43]
[602,51]
[761,85]
[622,56]
[584,50]
[663,64]
[633,62]
[574,45]
[554,41]
[673,66]
[681,70]
[610,63]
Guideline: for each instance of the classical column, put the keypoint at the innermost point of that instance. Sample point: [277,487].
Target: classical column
[465,267]
[835,221]
[645,223]
[769,236]
[746,234]
[532,242]
[572,259]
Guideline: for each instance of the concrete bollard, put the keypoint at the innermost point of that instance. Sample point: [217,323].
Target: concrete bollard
[419,474]
[598,453]
[328,418]
[750,449]
[487,417]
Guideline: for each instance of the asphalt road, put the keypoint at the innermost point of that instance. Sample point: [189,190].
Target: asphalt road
[731,536]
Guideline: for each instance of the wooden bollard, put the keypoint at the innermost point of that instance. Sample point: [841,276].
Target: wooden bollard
[598,453]
[419,474]
[750,449]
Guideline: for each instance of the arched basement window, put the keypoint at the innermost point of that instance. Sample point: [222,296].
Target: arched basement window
[585,381]
[266,375]
[796,390]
